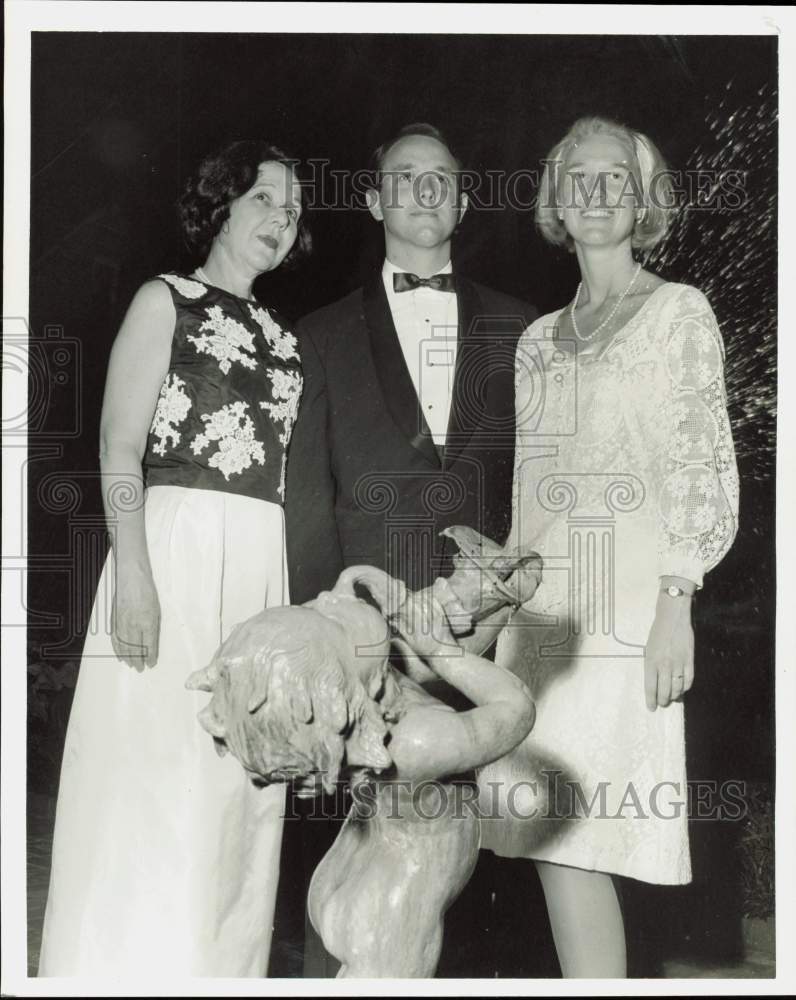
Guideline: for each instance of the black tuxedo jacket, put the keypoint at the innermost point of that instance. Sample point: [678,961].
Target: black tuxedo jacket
[365,481]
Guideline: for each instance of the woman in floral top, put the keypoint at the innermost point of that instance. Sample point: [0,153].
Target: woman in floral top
[165,857]
[625,482]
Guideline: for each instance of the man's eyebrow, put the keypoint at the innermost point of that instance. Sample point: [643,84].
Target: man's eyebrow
[410,166]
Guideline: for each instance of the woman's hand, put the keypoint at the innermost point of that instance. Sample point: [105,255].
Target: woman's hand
[669,654]
[135,625]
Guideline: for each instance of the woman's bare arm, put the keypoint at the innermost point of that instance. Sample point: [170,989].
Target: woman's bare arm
[138,364]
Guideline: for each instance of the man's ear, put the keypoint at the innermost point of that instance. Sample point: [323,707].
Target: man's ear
[464,202]
[374,204]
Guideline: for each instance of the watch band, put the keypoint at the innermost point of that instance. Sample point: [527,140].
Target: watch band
[674,591]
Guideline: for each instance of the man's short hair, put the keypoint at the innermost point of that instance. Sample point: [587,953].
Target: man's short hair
[415,128]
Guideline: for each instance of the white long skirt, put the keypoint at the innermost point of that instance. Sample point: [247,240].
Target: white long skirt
[165,856]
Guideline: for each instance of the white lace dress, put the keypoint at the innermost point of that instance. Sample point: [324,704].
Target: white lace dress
[625,471]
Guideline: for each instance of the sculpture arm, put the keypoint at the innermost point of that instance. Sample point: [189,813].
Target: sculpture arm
[476,642]
[431,742]
[485,633]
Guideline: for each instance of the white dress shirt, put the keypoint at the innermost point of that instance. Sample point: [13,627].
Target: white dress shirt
[426,322]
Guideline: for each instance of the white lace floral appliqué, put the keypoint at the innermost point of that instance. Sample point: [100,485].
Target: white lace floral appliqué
[172,409]
[226,340]
[286,389]
[282,343]
[233,429]
[190,289]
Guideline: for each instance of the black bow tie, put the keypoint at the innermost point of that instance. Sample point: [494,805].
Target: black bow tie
[404,282]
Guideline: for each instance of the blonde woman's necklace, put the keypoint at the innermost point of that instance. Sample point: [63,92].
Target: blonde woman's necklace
[609,317]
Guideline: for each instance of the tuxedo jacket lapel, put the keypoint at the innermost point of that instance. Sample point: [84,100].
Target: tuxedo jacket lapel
[396,382]
[463,416]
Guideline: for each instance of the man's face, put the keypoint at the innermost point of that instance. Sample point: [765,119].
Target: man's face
[417,199]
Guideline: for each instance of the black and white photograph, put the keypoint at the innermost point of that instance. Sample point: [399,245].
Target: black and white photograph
[395,499]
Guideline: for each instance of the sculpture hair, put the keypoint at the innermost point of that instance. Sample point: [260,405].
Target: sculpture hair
[302,705]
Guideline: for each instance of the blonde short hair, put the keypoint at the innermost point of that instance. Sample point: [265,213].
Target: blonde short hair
[651,175]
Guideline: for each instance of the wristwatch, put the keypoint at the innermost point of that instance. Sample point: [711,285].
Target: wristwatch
[674,591]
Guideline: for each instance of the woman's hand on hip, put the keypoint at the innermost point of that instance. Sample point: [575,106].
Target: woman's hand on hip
[669,653]
[135,625]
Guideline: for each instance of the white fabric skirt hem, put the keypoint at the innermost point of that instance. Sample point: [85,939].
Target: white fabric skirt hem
[610,864]
[165,856]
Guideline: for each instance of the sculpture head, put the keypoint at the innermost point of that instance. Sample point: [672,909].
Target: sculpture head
[291,695]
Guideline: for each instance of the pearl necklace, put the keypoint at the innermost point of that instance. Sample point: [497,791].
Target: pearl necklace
[608,318]
[200,274]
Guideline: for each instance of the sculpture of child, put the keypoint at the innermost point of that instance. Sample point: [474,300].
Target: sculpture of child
[309,694]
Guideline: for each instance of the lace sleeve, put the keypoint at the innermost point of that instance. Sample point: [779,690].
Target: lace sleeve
[697,474]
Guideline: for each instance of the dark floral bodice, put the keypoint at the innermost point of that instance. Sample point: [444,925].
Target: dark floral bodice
[230,398]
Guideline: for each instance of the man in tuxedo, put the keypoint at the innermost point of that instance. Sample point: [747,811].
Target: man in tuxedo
[406,423]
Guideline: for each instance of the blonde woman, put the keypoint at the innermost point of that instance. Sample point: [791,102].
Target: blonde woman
[626,484]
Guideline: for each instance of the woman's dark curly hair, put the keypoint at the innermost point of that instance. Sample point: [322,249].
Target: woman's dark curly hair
[222,177]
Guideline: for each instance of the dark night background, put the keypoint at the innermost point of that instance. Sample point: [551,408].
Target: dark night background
[120,120]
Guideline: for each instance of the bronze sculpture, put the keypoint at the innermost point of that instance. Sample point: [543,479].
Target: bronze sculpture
[308,694]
